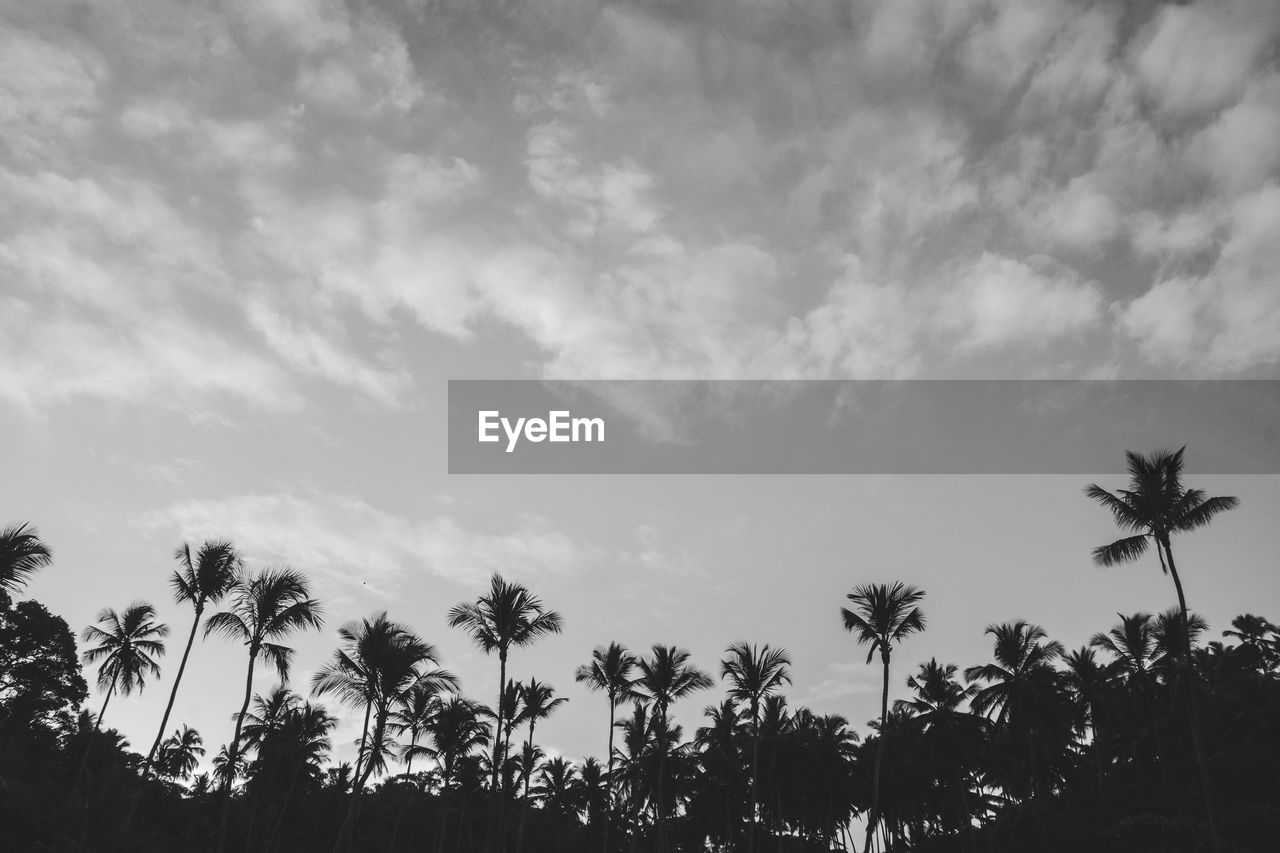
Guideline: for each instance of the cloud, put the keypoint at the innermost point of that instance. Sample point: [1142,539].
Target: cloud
[348,542]
[1001,301]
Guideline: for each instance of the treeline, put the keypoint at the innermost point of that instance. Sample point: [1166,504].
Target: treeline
[1150,737]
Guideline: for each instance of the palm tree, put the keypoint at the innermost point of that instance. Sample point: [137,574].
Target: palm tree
[610,672]
[200,581]
[265,608]
[180,754]
[415,715]
[227,770]
[882,617]
[22,554]
[301,743]
[128,644]
[379,664]
[666,677]
[1154,507]
[1256,633]
[1026,693]
[754,673]
[507,615]
[540,702]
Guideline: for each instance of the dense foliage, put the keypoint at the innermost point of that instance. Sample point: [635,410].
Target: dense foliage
[1150,737]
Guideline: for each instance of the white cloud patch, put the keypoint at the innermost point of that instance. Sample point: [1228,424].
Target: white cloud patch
[348,542]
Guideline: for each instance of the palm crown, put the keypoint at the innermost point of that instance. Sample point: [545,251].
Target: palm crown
[128,644]
[22,554]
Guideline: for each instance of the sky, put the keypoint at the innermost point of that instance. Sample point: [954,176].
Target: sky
[244,245]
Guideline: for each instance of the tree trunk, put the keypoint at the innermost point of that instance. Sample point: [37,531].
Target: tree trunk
[608,782]
[524,805]
[874,814]
[755,766]
[348,823]
[173,694]
[233,751]
[288,795]
[1197,736]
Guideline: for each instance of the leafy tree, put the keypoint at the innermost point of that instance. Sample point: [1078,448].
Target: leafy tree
[883,616]
[39,673]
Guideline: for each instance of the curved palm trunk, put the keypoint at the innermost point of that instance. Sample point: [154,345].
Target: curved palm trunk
[874,814]
[1197,735]
[233,752]
[173,693]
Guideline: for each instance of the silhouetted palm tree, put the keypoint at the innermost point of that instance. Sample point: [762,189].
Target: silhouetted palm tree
[264,608]
[200,582]
[754,673]
[1154,507]
[379,664]
[610,672]
[540,702]
[22,554]
[128,644]
[665,677]
[1258,634]
[415,715]
[507,615]
[180,754]
[882,617]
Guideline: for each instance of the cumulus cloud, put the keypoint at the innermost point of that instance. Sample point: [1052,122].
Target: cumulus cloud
[904,188]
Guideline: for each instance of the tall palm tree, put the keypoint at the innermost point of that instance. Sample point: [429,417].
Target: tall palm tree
[1154,507]
[666,677]
[883,616]
[128,644]
[610,672]
[180,754]
[264,608]
[201,581]
[507,615]
[753,674]
[540,702]
[22,554]
[378,665]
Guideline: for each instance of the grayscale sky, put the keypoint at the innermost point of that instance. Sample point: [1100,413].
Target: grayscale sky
[243,245]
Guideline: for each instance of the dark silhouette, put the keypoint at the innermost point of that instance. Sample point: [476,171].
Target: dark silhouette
[1108,747]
